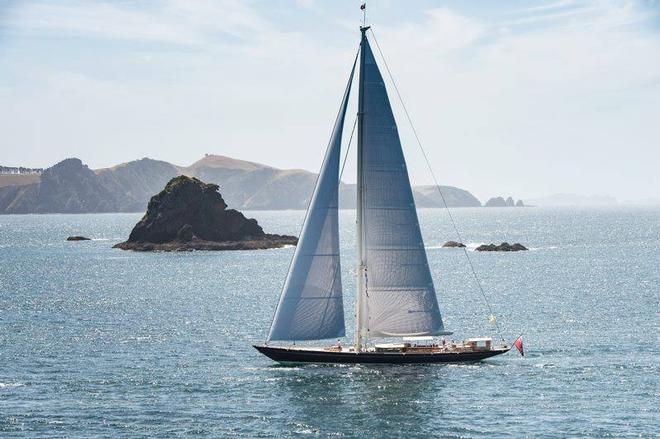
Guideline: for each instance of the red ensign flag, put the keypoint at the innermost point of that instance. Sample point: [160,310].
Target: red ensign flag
[519,345]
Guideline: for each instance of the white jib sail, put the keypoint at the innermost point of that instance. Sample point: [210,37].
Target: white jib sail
[311,307]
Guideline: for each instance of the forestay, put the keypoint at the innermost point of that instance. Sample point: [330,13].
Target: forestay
[310,306]
[399,297]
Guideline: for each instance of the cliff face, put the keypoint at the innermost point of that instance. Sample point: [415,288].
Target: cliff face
[19,199]
[71,187]
[496,202]
[67,187]
[189,214]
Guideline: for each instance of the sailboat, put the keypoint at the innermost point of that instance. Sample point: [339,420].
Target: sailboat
[395,297]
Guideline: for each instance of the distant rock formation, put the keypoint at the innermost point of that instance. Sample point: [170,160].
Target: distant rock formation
[501,202]
[453,244]
[78,238]
[191,215]
[495,202]
[504,247]
[70,187]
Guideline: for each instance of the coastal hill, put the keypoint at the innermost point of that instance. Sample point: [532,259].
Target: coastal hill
[191,215]
[249,185]
[428,196]
[71,187]
[18,179]
[67,187]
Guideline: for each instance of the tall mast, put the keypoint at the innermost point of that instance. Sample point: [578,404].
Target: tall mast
[359,297]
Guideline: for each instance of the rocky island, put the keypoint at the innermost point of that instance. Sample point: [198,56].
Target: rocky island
[501,202]
[192,215]
[453,244]
[78,238]
[504,247]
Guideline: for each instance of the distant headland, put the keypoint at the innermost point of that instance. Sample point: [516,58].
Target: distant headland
[71,187]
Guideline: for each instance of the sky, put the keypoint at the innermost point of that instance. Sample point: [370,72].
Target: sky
[508,98]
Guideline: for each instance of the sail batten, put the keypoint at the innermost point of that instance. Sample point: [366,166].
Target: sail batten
[311,305]
[398,298]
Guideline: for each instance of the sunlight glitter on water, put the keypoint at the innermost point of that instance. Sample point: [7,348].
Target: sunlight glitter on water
[100,342]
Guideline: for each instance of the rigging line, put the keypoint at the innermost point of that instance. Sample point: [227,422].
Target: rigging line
[348,148]
[435,180]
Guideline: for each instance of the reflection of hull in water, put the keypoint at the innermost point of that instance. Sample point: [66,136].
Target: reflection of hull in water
[311,355]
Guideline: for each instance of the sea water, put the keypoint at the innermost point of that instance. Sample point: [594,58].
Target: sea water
[96,341]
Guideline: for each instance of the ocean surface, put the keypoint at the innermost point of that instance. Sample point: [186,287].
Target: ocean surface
[102,342]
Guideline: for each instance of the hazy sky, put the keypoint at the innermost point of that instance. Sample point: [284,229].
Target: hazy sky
[509,97]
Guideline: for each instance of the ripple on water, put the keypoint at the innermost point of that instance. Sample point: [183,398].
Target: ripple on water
[98,342]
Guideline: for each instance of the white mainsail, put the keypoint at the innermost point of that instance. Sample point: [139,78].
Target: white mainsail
[310,307]
[397,293]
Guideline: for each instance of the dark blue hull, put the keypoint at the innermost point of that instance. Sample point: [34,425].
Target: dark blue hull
[299,355]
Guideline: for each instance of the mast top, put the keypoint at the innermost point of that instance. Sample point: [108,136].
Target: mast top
[363,8]
[363,29]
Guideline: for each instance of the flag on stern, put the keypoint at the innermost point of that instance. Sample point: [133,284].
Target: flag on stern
[519,345]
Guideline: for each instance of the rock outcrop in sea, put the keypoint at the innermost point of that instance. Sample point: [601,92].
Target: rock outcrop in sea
[453,244]
[192,215]
[504,247]
[501,202]
[78,238]
[495,202]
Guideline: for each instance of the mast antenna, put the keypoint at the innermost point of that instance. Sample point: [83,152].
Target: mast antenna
[363,8]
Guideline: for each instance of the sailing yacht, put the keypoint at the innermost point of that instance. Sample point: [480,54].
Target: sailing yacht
[395,296]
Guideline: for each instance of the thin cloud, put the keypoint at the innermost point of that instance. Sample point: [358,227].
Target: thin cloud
[173,21]
[554,5]
[496,103]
